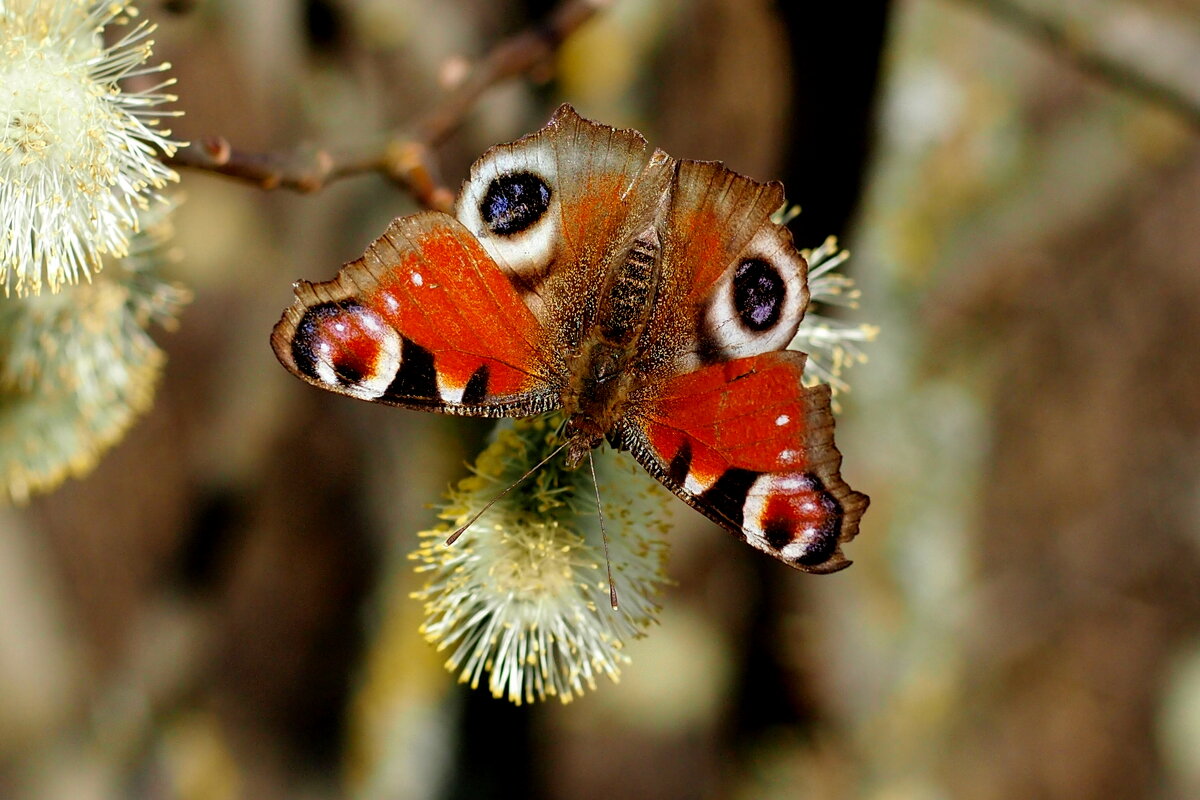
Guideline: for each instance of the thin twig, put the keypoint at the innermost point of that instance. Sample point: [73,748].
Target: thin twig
[302,171]
[512,57]
[1087,56]
[404,158]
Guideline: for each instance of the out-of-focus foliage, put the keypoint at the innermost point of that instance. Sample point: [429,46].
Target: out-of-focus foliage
[78,367]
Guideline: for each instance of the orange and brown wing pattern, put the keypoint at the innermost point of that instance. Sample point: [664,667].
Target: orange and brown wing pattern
[746,444]
[553,207]
[425,319]
[714,214]
[733,285]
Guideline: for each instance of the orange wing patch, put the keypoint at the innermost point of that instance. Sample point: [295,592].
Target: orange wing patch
[745,443]
[751,411]
[435,283]
[424,319]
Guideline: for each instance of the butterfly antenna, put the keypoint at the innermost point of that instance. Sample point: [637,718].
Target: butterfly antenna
[475,518]
[612,587]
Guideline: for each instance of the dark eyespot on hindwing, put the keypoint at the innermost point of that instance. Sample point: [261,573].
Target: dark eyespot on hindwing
[757,305]
[514,202]
[758,294]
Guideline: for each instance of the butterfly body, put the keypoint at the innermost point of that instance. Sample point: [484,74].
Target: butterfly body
[603,374]
[649,299]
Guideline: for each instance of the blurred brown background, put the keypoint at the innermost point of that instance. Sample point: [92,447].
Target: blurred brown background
[220,610]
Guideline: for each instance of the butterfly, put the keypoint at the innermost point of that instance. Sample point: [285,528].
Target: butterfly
[647,298]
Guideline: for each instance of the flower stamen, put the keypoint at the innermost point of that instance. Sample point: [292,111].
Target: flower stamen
[79,155]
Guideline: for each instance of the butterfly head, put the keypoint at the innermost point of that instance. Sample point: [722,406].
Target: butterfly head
[583,435]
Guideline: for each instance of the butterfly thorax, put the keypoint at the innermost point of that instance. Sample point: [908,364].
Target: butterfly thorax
[601,378]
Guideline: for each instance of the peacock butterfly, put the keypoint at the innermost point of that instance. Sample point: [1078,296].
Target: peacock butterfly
[650,299]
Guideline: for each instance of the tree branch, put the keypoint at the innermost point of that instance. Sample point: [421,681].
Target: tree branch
[405,159]
[1087,56]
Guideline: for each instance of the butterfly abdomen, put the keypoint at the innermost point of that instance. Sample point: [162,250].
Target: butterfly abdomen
[626,305]
[600,375]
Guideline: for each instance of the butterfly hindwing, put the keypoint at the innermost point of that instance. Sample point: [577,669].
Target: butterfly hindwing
[553,207]
[424,319]
[745,443]
[733,285]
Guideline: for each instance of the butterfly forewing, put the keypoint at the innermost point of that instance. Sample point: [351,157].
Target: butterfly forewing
[745,443]
[424,319]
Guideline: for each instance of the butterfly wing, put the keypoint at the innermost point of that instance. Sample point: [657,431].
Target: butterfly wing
[425,319]
[477,315]
[553,207]
[746,444]
[733,285]
[723,419]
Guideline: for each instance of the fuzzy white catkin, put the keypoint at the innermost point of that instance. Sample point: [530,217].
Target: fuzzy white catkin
[79,153]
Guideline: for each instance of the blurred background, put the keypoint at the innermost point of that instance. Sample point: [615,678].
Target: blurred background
[220,610]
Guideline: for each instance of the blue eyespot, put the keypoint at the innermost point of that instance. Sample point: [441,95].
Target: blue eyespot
[514,202]
[758,294]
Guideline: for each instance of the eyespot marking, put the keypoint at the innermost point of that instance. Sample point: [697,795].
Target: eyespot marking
[526,243]
[347,346]
[758,294]
[796,517]
[757,305]
[514,202]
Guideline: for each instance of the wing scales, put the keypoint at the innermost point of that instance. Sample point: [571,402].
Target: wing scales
[421,318]
[745,443]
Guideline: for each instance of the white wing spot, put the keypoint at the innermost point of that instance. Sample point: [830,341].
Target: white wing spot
[782,419]
[791,485]
[340,327]
[798,547]
[392,302]
[787,455]
[417,279]
[448,393]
